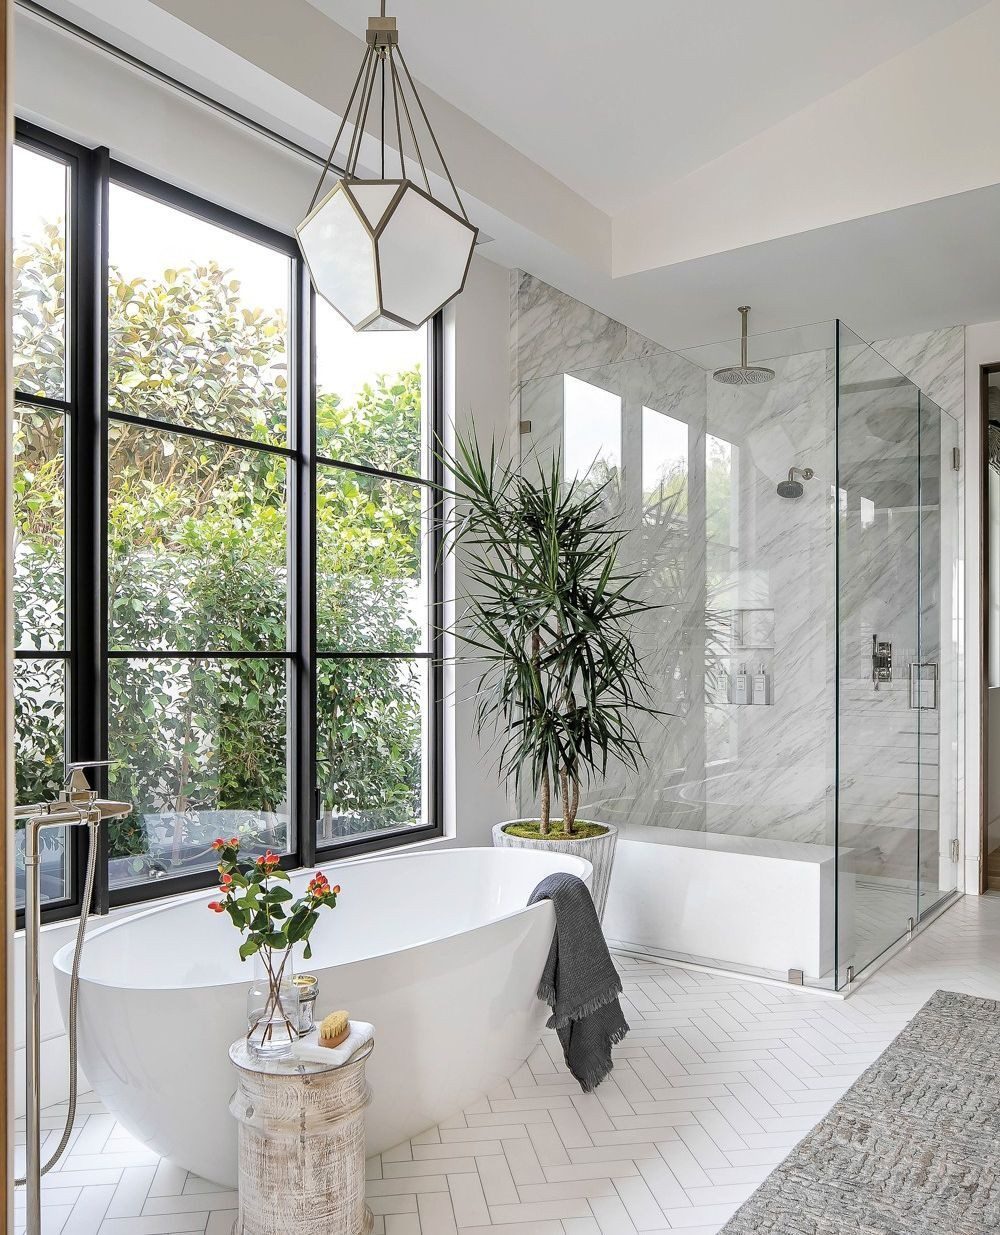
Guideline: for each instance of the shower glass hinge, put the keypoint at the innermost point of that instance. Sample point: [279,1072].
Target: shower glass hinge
[796,977]
[909,926]
[524,426]
[956,459]
[954,850]
[849,976]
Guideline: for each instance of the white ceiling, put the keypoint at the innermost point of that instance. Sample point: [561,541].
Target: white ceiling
[904,163]
[619,99]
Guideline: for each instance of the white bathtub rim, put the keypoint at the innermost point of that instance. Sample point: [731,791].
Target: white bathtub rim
[63,959]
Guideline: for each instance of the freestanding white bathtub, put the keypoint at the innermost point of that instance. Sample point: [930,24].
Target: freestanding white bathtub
[438,950]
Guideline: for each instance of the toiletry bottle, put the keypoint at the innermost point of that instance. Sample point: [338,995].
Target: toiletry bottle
[760,685]
[741,694]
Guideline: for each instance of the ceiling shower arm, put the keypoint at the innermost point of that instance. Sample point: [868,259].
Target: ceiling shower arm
[744,314]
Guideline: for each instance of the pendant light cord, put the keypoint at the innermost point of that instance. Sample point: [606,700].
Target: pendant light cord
[401,82]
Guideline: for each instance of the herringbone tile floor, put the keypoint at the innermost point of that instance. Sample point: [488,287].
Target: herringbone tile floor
[716,1082]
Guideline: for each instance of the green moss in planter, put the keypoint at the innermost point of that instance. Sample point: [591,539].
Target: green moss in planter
[531,831]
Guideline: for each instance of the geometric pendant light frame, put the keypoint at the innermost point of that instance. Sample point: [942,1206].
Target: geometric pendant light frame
[386,253]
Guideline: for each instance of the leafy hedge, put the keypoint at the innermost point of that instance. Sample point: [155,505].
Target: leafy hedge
[197,535]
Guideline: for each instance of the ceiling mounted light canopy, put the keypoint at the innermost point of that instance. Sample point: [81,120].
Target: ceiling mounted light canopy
[386,253]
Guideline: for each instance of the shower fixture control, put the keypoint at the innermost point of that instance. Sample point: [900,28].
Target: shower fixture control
[881,661]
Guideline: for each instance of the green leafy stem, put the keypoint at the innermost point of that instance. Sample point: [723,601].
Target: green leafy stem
[264,911]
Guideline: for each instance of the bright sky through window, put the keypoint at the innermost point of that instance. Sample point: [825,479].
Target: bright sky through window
[592,427]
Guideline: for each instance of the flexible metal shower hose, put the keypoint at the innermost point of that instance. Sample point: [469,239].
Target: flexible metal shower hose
[74,988]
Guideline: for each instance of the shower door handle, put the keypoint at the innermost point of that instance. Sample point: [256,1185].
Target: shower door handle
[923,685]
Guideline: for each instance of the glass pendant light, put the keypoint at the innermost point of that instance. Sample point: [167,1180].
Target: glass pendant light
[385,253]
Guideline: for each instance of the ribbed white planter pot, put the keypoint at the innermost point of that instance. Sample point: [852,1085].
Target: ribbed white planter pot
[599,851]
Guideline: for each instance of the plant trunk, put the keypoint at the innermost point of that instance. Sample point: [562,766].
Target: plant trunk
[543,823]
[575,802]
[546,786]
[564,797]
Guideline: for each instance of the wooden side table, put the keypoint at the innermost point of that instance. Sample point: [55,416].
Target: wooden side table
[301,1145]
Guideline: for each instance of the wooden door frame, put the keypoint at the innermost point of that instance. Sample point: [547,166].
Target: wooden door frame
[985,371]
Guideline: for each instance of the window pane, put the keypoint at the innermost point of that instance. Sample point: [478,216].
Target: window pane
[369,395]
[592,430]
[39,529]
[40,187]
[664,458]
[370,566]
[198,322]
[370,740]
[721,491]
[39,728]
[197,552]
[39,741]
[200,747]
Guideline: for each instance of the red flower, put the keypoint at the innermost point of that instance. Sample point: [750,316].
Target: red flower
[226,880]
[234,842]
[336,888]
[319,886]
[216,907]
[218,844]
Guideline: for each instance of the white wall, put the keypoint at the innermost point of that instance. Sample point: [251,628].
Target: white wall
[476,396]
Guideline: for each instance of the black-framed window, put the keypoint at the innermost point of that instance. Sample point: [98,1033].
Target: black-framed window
[227,557]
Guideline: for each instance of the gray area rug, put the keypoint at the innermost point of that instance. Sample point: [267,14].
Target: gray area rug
[913,1147]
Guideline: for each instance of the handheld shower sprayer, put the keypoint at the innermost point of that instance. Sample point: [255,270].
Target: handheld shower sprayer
[76,806]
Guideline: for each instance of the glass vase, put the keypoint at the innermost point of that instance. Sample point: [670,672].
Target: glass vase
[272,1004]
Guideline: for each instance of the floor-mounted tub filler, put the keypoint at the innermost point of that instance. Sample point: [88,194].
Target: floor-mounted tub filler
[438,950]
[76,806]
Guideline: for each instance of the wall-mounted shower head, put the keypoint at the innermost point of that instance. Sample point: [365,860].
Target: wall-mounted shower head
[792,487]
[744,374]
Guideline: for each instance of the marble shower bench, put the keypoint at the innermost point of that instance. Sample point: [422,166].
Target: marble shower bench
[721,899]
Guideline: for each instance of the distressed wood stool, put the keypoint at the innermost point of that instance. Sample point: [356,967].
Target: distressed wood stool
[301,1145]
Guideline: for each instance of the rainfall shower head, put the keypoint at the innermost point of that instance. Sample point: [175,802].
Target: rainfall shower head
[744,374]
[792,487]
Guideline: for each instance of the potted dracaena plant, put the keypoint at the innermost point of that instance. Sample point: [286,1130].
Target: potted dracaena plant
[549,620]
[272,921]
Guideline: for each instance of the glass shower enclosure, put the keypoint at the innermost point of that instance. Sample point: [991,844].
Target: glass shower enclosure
[798,807]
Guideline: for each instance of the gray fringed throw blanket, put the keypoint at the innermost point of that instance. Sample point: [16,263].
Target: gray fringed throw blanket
[580,982]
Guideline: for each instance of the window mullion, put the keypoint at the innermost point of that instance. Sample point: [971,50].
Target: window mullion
[86,485]
[435,393]
[303,573]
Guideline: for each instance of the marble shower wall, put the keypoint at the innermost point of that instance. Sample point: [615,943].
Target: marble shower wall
[732,558]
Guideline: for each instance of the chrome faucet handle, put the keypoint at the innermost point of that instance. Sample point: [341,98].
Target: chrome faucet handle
[76,787]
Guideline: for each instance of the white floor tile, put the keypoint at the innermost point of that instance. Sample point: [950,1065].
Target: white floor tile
[718,1079]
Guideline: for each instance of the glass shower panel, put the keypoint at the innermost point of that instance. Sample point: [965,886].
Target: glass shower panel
[933,693]
[878,735]
[800,535]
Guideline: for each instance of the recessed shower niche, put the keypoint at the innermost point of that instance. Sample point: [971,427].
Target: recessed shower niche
[780,524]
